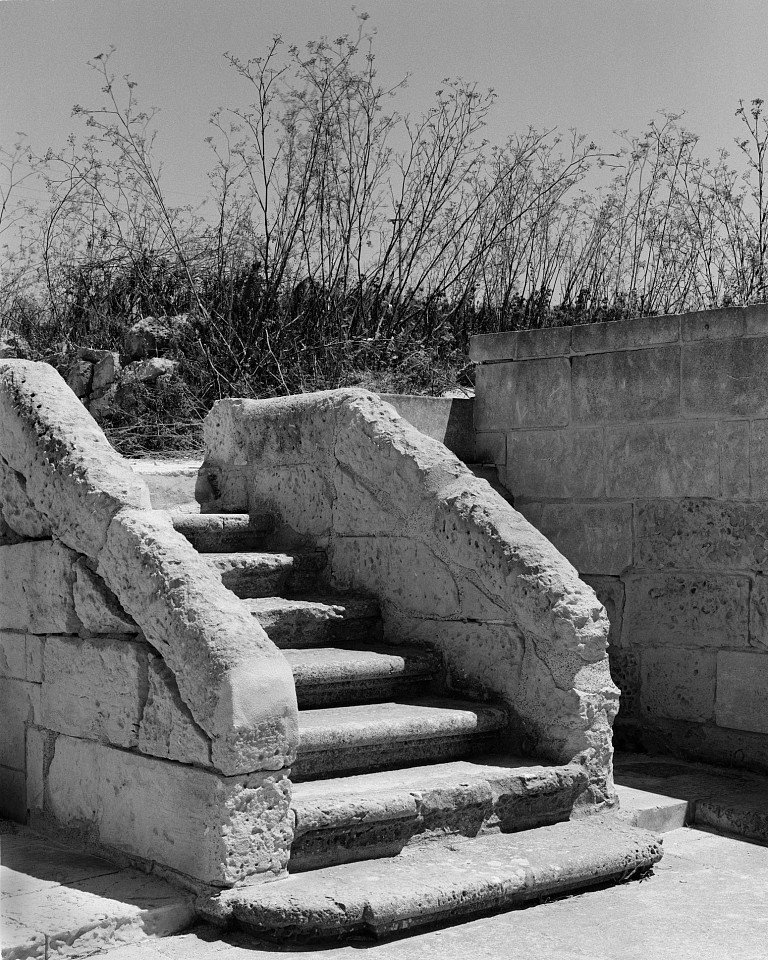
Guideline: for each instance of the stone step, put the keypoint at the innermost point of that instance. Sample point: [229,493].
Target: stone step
[251,575]
[377,814]
[317,622]
[337,741]
[442,882]
[224,532]
[328,676]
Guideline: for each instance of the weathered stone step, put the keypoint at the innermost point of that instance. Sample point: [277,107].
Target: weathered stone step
[377,814]
[442,882]
[224,532]
[335,741]
[251,575]
[317,622]
[327,676]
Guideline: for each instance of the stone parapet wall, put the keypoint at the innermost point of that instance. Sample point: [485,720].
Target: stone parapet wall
[453,565]
[639,449]
[142,708]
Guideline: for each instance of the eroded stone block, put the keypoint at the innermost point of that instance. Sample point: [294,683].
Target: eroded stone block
[627,385]
[95,604]
[725,378]
[167,728]
[735,458]
[219,830]
[610,592]
[19,707]
[16,508]
[678,683]
[94,688]
[674,609]
[697,534]
[556,464]
[742,681]
[36,580]
[13,654]
[595,537]
[662,460]
[531,393]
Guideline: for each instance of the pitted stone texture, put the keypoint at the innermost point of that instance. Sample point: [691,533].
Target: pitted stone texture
[167,728]
[75,480]
[95,689]
[236,684]
[16,508]
[610,592]
[95,604]
[674,609]
[233,829]
[678,683]
[36,582]
[698,534]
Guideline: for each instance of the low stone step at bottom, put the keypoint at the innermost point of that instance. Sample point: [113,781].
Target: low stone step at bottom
[348,740]
[377,814]
[440,883]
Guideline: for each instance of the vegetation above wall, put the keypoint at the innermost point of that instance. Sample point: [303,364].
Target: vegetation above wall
[343,243]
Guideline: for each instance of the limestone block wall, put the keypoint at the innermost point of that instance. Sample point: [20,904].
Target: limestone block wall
[454,566]
[640,449]
[141,708]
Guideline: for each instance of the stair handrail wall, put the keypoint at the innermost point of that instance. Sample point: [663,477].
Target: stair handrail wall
[453,564]
[62,481]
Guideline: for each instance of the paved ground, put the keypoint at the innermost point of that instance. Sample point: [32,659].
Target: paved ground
[706,899]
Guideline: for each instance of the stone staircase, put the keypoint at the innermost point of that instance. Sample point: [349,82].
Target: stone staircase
[407,812]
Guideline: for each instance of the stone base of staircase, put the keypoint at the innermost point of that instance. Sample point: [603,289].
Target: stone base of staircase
[440,882]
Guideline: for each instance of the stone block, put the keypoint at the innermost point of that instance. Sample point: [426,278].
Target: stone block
[626,385]
[94,689]
[548,342]
[595,537]
[447,419]
[734,443]
[167,728]
[758,613]
[624,335]
[686,610]
[19,707]
[16,508]
[610,592]
[491,447]
[97,607]
[13,654]
[36,580]
[678,683]
[401,570]
[524,394]
[556,464]
[13,795]
[218,830]
[697,534]
[33,651]
[742,681]
[492,347]
[662,460]
[299,494]
[725,378]
[755,470]
[728,323]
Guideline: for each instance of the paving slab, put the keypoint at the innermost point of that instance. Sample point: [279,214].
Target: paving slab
[58,902]
[661,793]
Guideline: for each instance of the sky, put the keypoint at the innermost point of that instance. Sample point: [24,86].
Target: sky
[597,65]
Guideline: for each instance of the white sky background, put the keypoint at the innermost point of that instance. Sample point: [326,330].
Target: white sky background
[597,65]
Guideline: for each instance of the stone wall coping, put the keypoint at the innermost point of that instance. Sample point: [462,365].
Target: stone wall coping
[728,323]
